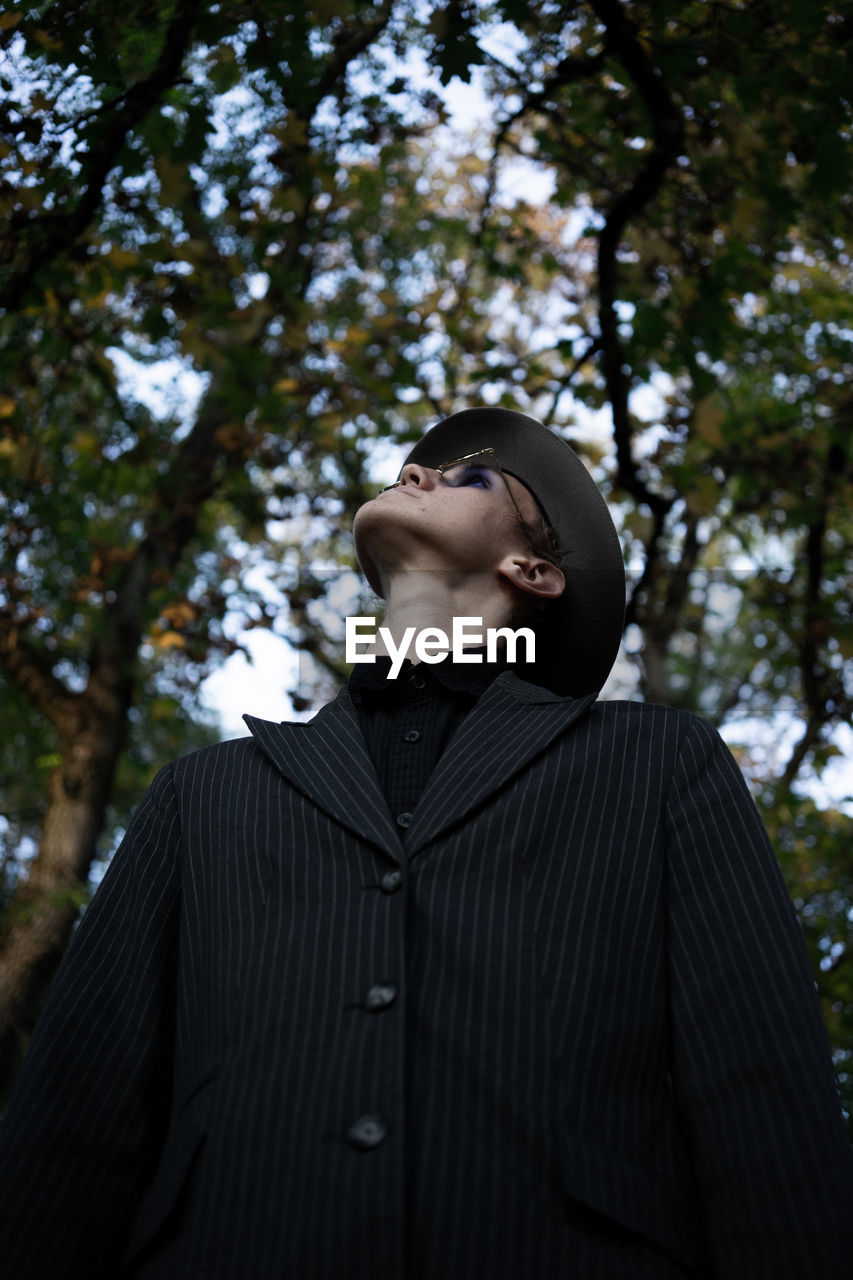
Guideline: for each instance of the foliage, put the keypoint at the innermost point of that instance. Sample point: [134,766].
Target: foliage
[268,199]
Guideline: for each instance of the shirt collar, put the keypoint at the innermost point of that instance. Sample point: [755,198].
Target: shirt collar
[369,680]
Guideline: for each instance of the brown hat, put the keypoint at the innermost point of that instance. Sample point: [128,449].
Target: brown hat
[577,648]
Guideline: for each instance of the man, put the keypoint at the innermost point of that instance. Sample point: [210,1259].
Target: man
[473,975]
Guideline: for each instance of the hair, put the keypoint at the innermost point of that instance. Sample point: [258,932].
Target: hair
[539,533]
[542,541]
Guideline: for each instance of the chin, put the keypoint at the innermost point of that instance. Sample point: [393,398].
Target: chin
[360,529]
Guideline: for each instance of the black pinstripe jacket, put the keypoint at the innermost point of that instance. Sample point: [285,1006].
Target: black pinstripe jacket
[619,1067]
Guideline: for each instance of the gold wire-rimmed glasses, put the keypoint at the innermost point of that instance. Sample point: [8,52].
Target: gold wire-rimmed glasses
[465,470]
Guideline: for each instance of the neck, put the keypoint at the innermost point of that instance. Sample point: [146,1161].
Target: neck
[423,599]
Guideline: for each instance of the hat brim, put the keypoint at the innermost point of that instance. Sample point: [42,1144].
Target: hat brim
[577,649]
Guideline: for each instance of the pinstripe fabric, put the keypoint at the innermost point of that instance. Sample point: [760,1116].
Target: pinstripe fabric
[620,1072]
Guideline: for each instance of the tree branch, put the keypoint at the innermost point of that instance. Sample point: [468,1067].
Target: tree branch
[348,45]
[49,234]
[633,608]
[566,72]
[667,142]
[32,674]
[810,738]
[816,691]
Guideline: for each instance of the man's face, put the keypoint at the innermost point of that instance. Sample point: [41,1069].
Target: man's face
[463,522]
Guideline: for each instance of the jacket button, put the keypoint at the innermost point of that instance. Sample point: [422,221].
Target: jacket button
[391,881]
[367,1132]
[411,735]
[417,681]
[403,819]
[380,996]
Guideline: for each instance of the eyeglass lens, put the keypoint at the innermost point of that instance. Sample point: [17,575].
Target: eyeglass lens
[470,470]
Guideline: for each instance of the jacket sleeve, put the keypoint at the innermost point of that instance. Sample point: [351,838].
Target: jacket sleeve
[83,1130]
[751,1068]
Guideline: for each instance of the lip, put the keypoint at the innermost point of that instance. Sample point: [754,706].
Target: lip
[405,489]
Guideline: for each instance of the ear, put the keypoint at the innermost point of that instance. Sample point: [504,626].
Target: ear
[533,575]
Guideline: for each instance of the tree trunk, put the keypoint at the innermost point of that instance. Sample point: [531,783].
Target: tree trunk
[39,922]
[655,678]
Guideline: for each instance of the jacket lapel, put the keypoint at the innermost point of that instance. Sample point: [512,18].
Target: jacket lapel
[327,760]
[512,722]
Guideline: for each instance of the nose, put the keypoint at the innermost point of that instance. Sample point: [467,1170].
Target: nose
[420,476]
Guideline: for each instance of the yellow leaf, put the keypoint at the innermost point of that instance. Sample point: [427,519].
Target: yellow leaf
[180,614]
[170,640]
[11,19]
[703,496]
[118,259]
[85,441]
[686,291]
[707,416]
[174,179]
[775,440]
[844,640]
[746,216]
[7,406]
[46,41]
[293,133]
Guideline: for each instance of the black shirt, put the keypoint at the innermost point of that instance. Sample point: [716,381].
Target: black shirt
[408,722]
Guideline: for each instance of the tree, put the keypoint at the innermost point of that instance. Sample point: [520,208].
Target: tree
[263,194]
[712,147]
[168,183]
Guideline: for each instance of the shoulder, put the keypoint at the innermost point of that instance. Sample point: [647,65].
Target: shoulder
[615,719]
[239,761]
[217,755]
[648,718]
[670,734]
[222,759]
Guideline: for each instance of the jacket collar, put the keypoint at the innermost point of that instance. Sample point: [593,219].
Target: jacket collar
[328,761]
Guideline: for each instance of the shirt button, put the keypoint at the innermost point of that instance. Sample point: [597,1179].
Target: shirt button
[411,735]
[367,1132]
[391,881]
[380,996]
[417,681]
[403,819]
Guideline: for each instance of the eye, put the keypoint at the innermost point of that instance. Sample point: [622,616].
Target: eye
[469,474]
